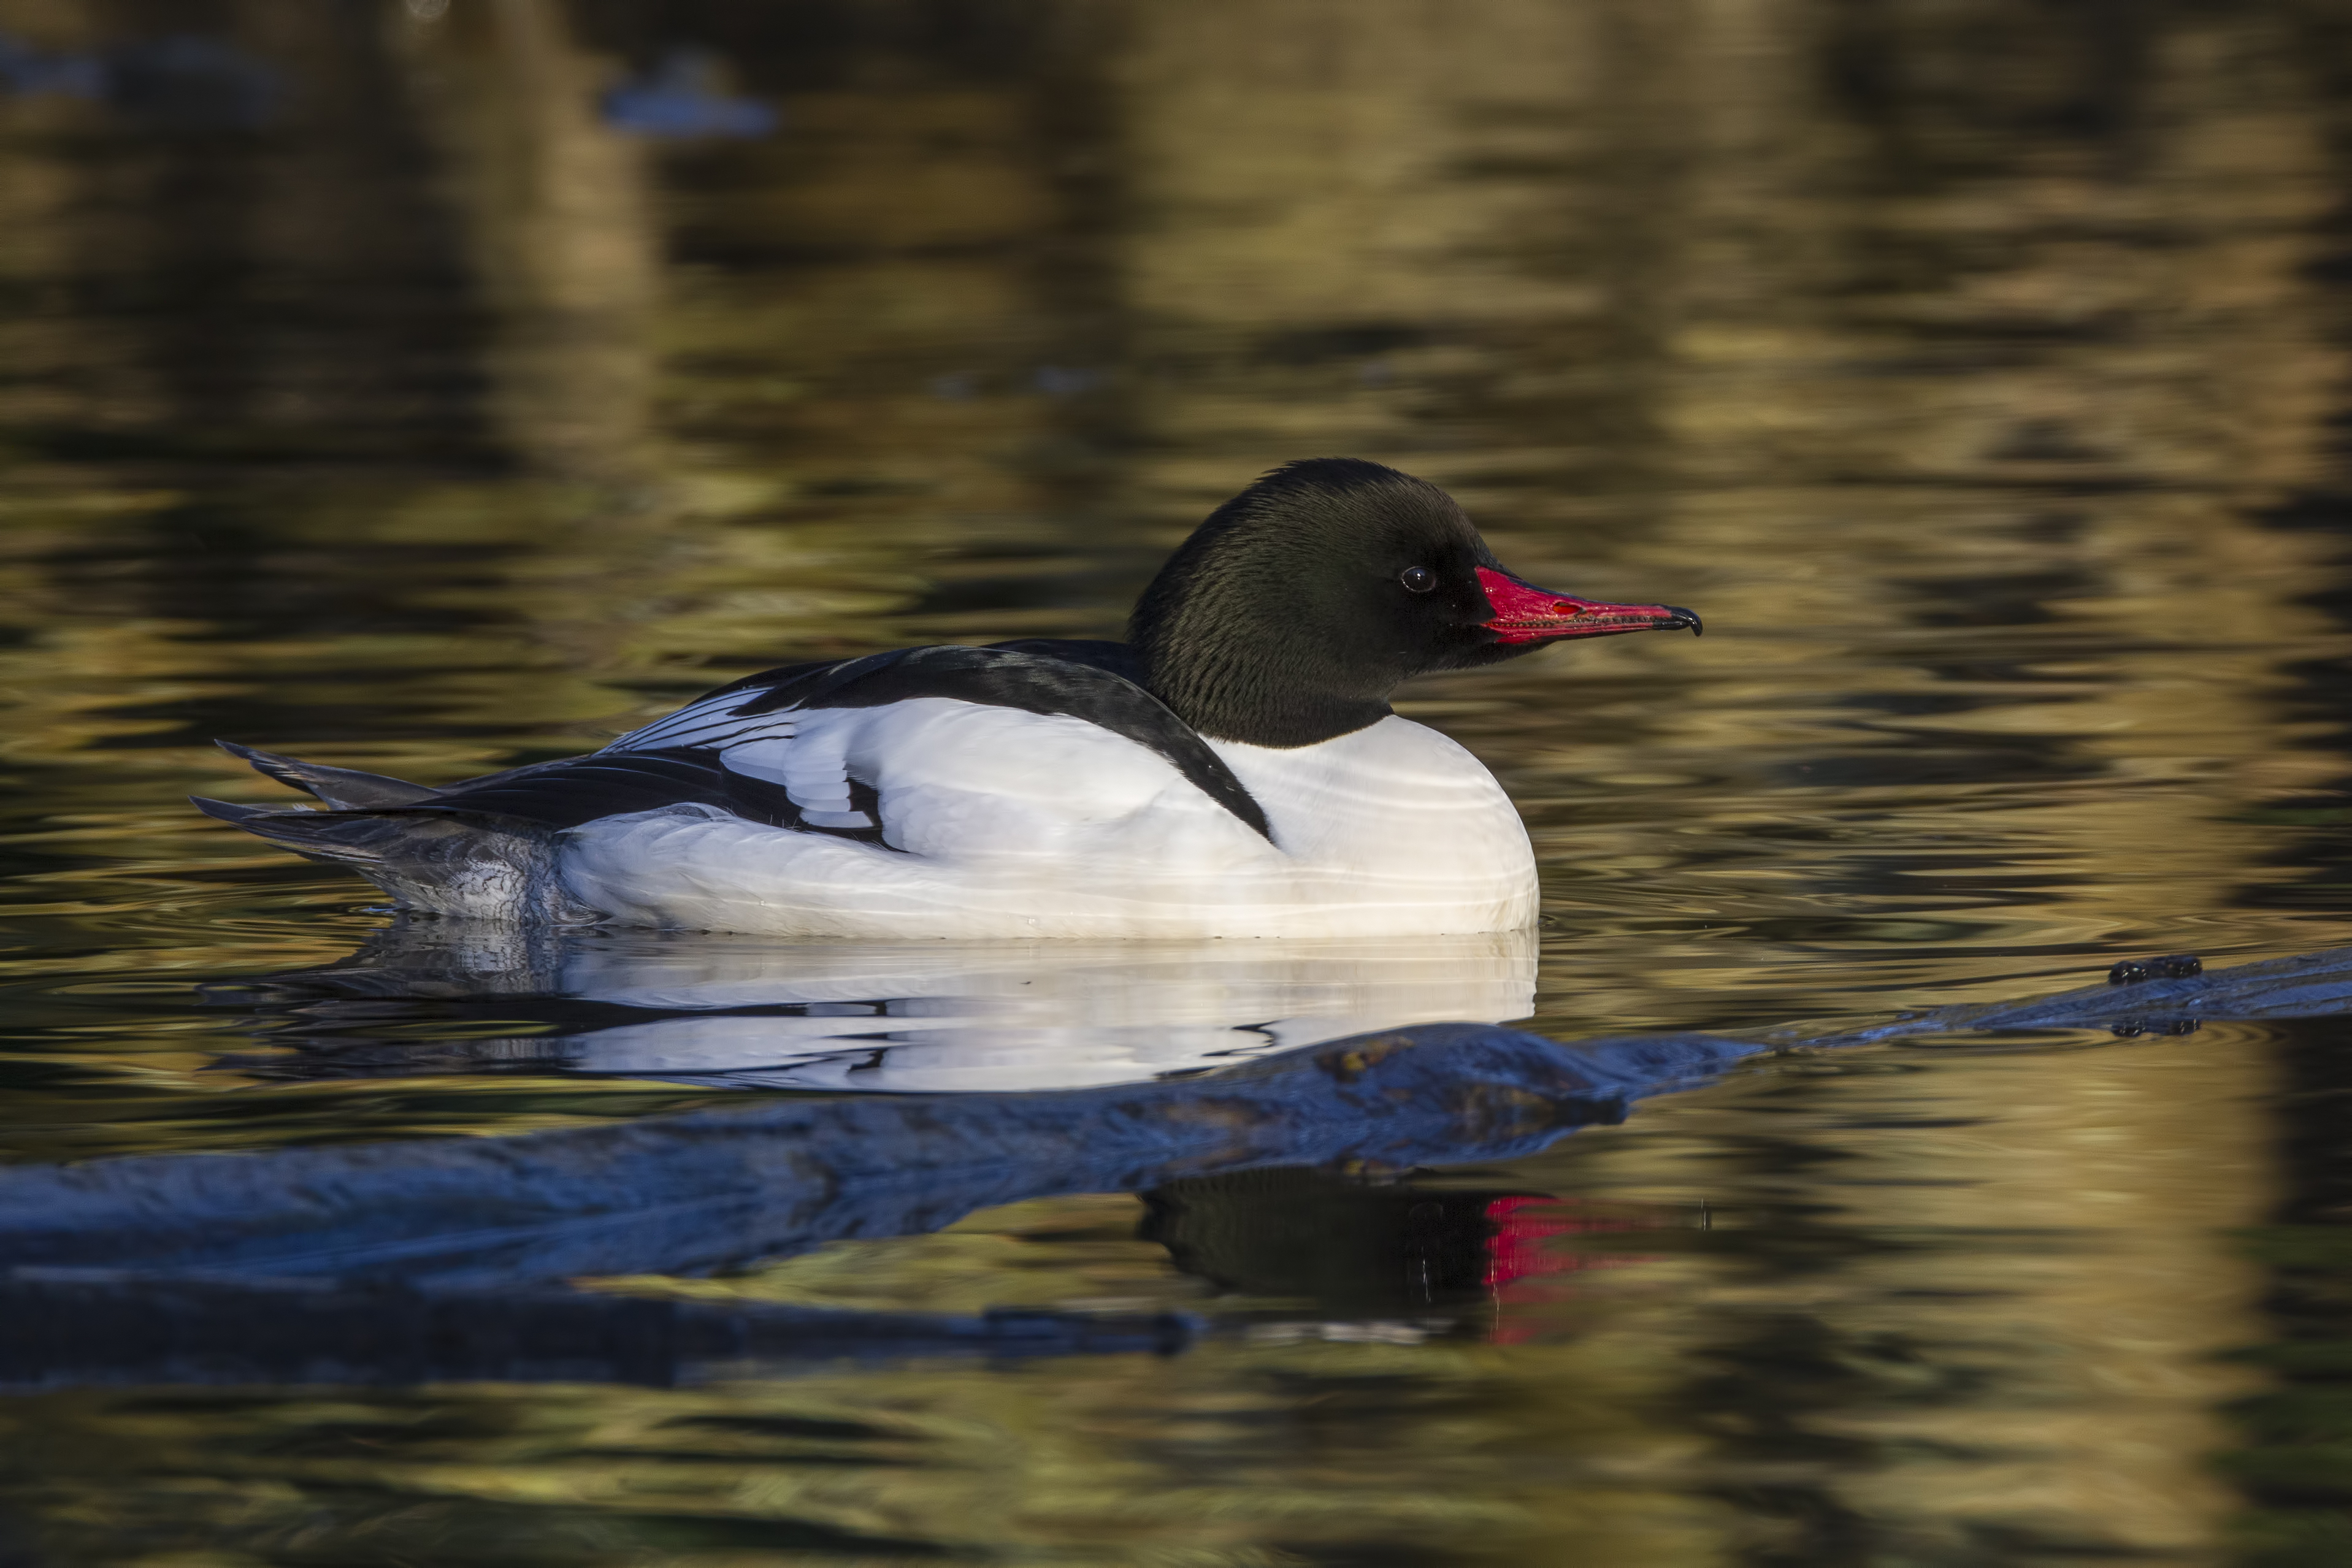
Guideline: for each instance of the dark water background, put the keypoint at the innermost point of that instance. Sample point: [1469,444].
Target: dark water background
[432,386]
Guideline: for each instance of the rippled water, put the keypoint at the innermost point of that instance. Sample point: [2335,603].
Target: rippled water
[383,383]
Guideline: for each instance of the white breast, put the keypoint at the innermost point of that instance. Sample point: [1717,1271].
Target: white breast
[1008,823]
[1396,818]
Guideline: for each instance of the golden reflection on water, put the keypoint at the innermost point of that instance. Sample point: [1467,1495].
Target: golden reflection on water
[1974,368]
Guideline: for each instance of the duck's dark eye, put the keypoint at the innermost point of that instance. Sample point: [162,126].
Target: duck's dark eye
[1417,579]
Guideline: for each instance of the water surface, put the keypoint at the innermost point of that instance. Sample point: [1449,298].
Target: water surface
[431,388]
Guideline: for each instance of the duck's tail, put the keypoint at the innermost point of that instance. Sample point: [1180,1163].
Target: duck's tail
[441,861]
[343,789]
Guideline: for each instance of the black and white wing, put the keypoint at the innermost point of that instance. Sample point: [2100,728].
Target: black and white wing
[955,735]
[760,727]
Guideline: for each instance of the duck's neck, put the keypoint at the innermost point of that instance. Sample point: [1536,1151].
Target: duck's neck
[1278,698]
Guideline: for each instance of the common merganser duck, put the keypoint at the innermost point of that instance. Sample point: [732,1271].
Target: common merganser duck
[1233,769]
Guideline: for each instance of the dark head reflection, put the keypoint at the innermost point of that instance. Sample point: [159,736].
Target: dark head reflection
[1496,1263]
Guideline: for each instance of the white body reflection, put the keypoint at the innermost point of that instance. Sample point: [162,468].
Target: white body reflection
[931,1017]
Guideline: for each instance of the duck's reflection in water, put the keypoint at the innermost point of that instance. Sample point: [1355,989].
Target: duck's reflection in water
[910,1017]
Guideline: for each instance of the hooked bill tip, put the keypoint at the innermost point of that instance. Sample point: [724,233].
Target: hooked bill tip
[1678,616]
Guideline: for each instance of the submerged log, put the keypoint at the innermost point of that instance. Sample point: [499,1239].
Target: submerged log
[721,1188]
[142,1268]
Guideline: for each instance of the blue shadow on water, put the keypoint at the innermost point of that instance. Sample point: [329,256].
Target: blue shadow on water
[181,82]
[439,1258]
[680,99]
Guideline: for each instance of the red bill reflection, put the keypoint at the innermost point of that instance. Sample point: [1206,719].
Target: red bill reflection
[1526,1263]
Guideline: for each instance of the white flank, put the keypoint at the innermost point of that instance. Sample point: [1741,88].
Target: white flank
[1007,823]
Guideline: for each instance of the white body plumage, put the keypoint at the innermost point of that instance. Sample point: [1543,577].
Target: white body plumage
[1001,822]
